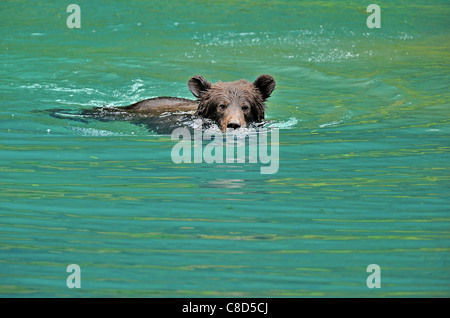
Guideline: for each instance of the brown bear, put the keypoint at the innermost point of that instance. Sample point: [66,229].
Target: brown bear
[232,104]
[229,104]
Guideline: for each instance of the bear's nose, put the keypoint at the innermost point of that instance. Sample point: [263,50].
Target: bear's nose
[234,125]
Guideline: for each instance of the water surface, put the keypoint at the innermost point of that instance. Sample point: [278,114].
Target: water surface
[363,119]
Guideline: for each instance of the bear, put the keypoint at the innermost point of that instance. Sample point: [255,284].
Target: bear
[231,105]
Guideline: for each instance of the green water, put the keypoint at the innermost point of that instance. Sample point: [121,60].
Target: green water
[363,151]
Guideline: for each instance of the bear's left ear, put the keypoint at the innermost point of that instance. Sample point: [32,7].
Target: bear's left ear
[265,84]
[198,85]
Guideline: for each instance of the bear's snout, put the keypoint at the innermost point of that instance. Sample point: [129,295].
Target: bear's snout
[234,118]
[234,124]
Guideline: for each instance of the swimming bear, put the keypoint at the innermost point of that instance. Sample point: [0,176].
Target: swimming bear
[230,105]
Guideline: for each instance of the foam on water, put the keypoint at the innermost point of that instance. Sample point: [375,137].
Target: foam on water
[93,132]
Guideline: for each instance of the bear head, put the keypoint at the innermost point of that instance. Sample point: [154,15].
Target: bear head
[232,104]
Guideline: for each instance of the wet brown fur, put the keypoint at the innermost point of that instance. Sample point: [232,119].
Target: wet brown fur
[232,104]
[229,104]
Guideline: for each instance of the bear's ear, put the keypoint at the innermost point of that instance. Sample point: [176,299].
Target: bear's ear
[265,84]
[198,85]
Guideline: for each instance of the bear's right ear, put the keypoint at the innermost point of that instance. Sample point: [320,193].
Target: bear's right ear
[198,85]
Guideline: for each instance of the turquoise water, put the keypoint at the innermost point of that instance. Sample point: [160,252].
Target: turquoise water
[363,178]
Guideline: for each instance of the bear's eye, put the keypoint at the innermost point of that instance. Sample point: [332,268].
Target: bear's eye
[245,107]
[222,106]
